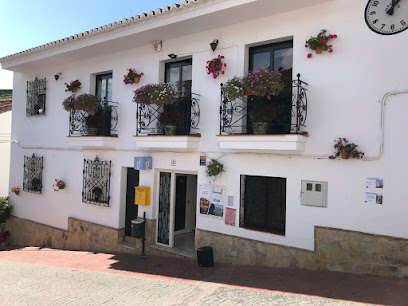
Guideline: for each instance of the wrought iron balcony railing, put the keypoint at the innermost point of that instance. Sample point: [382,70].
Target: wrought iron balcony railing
[180,118]
[103,123]
[282,114]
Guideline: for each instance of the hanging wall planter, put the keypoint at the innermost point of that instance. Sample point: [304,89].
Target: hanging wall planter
[216,66]
[320,43]
[214,168]
[59,184]
[345,150]
[73,86]
[132,77]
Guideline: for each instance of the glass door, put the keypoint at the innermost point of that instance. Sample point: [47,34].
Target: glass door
[274,57]
[104,87]
[179,74]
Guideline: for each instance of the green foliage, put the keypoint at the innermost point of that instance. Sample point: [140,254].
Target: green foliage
[5,209]
[86,102]
[155,94]
[234,88]
[214,168]
[6,93]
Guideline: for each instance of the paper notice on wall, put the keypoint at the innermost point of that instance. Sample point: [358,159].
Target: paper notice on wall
[373,198]
[230,201]
[204,191]
[212,200]
[230,215]
[374,183]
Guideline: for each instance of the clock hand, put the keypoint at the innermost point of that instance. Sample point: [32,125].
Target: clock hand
[393,4]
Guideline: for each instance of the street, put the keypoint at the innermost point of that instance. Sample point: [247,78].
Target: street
[34,276]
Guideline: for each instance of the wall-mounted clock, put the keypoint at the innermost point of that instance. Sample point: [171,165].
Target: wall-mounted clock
[387,17]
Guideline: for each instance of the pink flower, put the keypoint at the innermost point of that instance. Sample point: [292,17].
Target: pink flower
[222,56]
[306,46]
[309,55]
[142,73]
[335,36]
[223,72]
[330,51]
[130,69]
[225,65]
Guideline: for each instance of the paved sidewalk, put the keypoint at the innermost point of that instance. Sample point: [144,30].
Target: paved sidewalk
[34,276]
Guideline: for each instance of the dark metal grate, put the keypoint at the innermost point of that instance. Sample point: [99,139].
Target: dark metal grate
[148,116]
[290,108]
[33,167]
[36,97]
[263,203]
[96,184]
[164,208]
[103,123]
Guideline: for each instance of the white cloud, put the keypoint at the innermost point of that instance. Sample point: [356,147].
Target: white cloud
[6,79]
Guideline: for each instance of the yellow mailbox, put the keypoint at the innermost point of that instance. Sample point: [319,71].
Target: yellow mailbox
[142,195]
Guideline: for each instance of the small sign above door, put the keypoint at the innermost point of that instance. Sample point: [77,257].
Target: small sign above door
[143,163]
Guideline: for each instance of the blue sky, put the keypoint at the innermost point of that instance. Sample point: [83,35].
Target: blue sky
[29,23]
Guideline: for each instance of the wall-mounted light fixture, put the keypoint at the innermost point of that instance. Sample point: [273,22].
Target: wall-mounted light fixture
[172,56]
[157,46]
[57,75]
[214,44]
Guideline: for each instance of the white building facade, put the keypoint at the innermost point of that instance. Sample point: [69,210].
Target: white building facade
[359,92]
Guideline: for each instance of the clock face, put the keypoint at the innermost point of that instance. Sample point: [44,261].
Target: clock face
[387,17]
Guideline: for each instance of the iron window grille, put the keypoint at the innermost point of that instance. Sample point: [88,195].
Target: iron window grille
[33,168]
[36,97]
[187,106]
[96,182]
[289,107]
[263,204]
[103,123]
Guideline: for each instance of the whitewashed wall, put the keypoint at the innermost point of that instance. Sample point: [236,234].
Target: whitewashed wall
[5,133]
[344,93]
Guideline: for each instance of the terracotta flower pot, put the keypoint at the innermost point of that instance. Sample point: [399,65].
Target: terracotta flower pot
[319,50]
[74,90]
[17,192]
[345,154]
[136,80]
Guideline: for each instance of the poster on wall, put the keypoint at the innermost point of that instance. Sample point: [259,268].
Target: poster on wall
[373,198]
[374,183]
[212,200]
[230,215]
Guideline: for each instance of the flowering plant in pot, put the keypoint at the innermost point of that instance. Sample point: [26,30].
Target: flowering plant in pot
[260,117]
[69,103]
[263,83]
[234,88]
[155,94]
[15,190]
[5,209]
[93,122]
[320,43]
[169,120]
[345,149]
[73,86]
[87,102]
[215,66]
[59,184]
[132,77]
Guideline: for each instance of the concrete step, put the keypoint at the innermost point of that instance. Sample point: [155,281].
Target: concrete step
[158,250]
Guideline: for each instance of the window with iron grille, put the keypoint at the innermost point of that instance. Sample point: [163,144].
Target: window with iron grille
[36,97]
[263,203]
[33,167]
[96,182]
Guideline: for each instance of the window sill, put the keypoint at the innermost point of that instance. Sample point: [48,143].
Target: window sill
[262,231]
[163,142]
[93,141]
[264,143]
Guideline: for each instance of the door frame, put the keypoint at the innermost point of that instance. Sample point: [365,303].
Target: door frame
[172,201]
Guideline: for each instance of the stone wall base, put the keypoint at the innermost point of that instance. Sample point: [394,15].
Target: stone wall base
[81,235]
[335,250]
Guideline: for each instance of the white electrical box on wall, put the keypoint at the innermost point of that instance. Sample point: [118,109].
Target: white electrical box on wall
[314,193]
